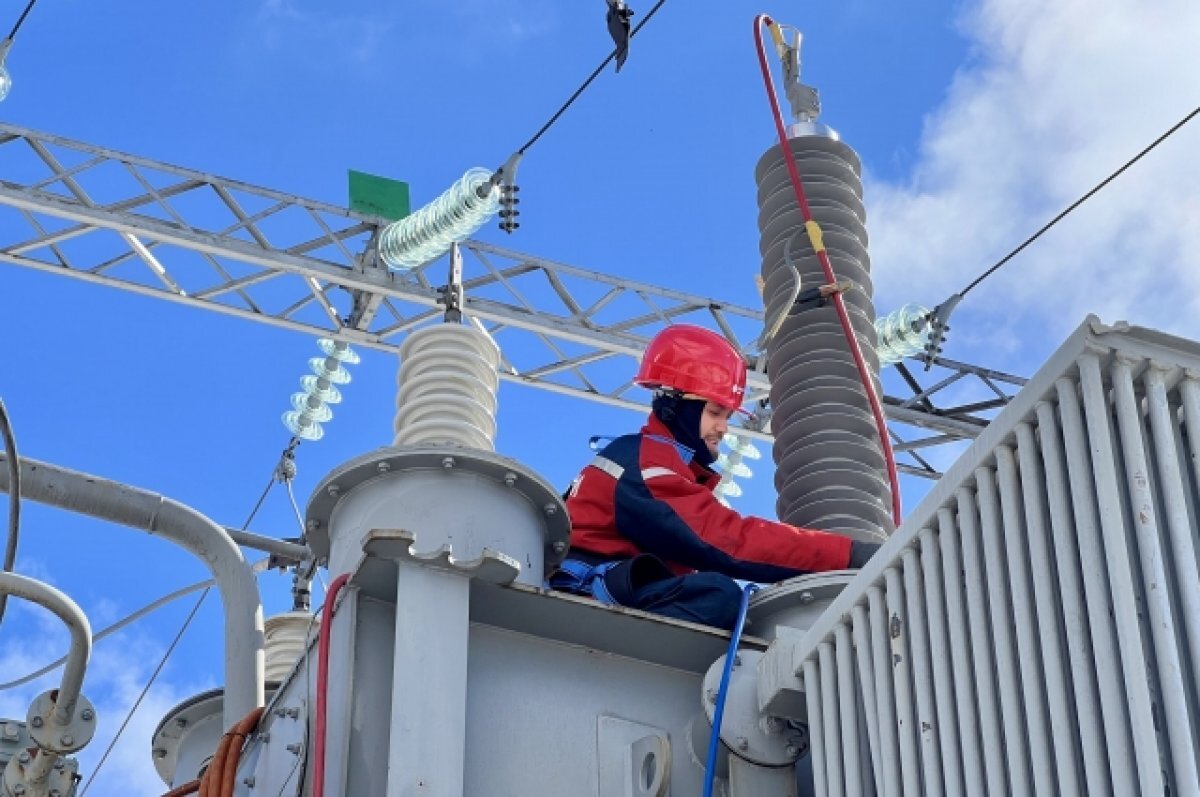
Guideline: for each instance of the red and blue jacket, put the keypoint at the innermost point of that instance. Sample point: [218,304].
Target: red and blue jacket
[642,494]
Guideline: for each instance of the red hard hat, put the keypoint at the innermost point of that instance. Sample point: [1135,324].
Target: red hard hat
[695,360]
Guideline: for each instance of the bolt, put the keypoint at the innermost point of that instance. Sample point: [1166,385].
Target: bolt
[711,695]
[510,479]
[333,491]
[18,789]
[87,714]
[295,748]
[264,737]
[743,743]
[280,712]
[37,722]
[249,781]
[383,467]
[159,752]
[792,751]
[774,725]
[550,509]
[448,462]
[23,757]
[560,547]
[313,525]
[293,712]
[181,722]
[807,597]
[737,660]
[67,740]
[59,764]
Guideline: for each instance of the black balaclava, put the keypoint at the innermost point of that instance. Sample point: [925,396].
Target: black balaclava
[682,417]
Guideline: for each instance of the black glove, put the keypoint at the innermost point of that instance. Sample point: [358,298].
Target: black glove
[861,553]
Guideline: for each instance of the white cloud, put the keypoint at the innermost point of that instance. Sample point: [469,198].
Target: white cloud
[116,674]
[1054,98]
[327,36]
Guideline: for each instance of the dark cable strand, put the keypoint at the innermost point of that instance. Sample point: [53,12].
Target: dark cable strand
[21,19]
[588,82]
[153,676]
[1081,200]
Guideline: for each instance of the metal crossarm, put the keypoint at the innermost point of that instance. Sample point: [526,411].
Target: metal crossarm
[115,219]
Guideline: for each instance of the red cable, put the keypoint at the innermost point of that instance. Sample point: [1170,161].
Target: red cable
[323,634]
[798,186]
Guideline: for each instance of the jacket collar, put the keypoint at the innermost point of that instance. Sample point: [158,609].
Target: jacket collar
[657,429]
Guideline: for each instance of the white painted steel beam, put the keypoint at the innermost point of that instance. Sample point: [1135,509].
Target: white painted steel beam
[318,256]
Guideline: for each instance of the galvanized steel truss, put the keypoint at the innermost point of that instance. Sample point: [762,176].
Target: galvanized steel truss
[140,225]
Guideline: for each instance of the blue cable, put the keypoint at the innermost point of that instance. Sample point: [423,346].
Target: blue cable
[710,769]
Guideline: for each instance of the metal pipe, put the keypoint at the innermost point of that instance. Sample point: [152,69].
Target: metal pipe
[77,624]
[848,705]
[1162,424]
[1116,550]
[866,679]
[926,725]
[1000,608]
[1042,558]
[1095,656]
[939,643]
[1173,690]
[901,672]
[284,550]
[881,651]
[816,727]
[171,520]
[980,641]
[829,715]
[1036,742]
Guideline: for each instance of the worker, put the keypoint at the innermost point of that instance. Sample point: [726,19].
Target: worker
[647,531]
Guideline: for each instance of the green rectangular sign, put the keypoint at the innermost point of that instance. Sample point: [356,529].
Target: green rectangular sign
[378,196]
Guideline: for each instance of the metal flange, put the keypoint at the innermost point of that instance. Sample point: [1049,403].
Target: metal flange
[437,485]
[795,604]
[58,782]
[765,741]
[62,739]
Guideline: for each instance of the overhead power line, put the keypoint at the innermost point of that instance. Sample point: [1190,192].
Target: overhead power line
[583,87]
[21,19]
[1081,200]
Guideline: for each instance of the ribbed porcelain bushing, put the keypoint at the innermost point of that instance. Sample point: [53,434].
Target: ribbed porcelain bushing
[830,472]
[464,501]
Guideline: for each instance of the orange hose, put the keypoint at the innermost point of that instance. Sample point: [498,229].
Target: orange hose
[219,778]
[191,787]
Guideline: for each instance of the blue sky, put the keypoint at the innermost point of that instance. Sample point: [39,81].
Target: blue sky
[976,122]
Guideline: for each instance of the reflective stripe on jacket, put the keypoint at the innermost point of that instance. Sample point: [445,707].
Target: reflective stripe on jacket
[639,496]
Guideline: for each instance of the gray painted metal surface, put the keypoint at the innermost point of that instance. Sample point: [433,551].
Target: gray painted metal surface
[830,471]
[1073,519]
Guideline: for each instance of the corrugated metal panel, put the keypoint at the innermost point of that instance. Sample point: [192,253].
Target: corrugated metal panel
[1034,626]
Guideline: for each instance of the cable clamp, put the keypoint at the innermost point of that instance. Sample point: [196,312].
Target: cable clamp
[938,327]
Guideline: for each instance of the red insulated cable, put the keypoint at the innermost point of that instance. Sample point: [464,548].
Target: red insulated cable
[323,633]
[838,302]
